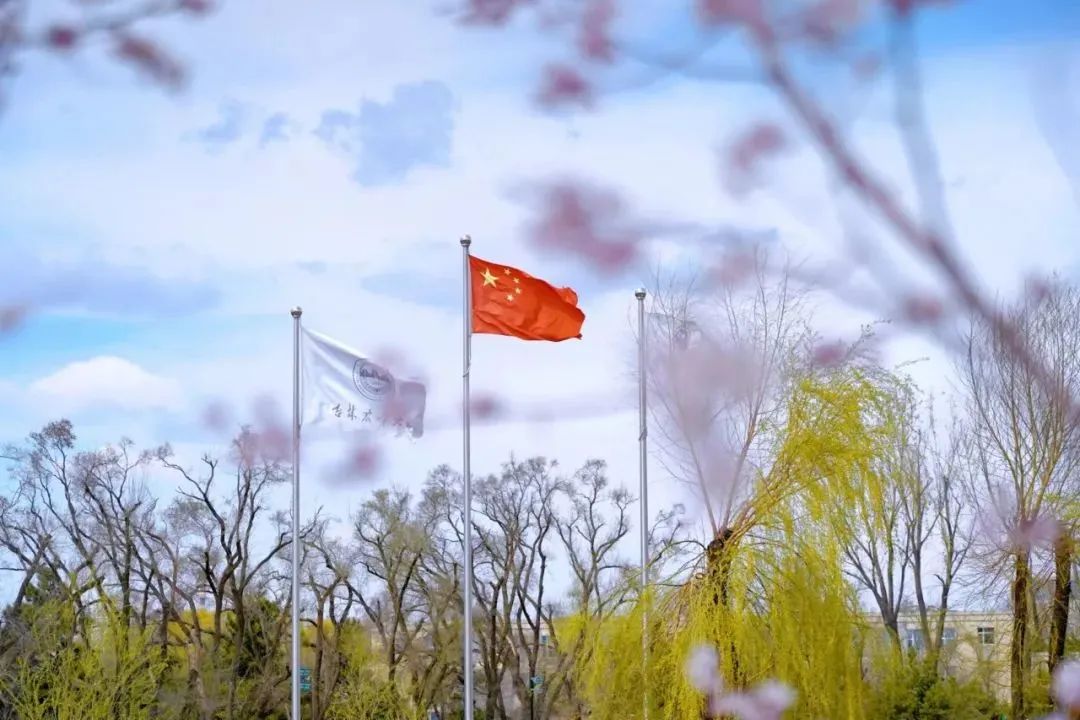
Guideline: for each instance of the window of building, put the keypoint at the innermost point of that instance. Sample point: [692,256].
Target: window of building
[948,635]
[986,635]
[913,639]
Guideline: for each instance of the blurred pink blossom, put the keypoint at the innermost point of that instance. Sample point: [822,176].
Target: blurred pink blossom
[1042,531]
[1000,524]
[271,437]
[61,37]
[564,85]
[924,309]
[491,12]
[747,12]
[216,416]
[196,7]
[1037,288]
[363,461]
[734,268]
[594,41]
[11,317]
[485,406]
[588,222]
[703,669]
[702,377]
[148,58]
[746,153]
[1065,686]
[827,20]
[767,701]
[903,7]
[828,354]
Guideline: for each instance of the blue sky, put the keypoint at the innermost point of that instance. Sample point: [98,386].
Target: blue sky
[330,153]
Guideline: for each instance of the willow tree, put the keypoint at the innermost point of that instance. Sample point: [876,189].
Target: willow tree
[788,611]
[722,358]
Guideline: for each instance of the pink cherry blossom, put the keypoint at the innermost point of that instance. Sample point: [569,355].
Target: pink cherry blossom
[148,58]
[363,461]
[594,40]
[591,223]
[829,354]
[1065,686]
[61,37]
[563,85]
[717,12]
[485,407]
[768,701]
[491,12]
[746,153]
[703,669]
[216,416]
[11,317]
[924,309]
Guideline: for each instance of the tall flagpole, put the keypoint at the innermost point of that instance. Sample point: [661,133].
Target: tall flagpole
[643,472]
[466,326]
[296,313]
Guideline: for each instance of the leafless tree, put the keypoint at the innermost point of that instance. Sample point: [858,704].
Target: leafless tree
[1026,433]
[234,568]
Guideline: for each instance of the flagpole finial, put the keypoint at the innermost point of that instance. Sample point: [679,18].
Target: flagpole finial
[296,311]
[466,241]
[640,293]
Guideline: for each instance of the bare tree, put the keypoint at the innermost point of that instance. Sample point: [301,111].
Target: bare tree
[1026,434]
[233,569]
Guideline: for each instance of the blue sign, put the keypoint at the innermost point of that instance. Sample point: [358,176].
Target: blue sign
[305,680]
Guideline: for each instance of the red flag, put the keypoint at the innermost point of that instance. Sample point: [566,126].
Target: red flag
[508,301]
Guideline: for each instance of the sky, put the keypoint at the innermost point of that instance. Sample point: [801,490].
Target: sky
[329,154]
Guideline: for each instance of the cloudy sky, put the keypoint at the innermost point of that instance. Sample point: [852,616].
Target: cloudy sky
[330,153]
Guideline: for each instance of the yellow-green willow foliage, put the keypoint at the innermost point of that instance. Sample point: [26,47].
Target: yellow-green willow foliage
[780,608]
[111,673]
[365,693]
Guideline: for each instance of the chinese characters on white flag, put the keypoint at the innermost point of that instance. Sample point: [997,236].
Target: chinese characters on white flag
[344,387]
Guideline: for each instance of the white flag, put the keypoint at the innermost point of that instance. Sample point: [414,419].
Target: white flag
[343,386]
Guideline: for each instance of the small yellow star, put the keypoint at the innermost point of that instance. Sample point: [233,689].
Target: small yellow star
[489,279]
[510,298]
[506,271]
[517,290]
[516,281]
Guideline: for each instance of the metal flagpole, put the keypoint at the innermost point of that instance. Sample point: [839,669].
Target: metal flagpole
[466,241]
[643,471]
[295,715]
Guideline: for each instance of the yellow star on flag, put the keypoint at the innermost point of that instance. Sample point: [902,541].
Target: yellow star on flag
[489,279]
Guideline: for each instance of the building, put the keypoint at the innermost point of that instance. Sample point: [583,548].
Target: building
[975,646]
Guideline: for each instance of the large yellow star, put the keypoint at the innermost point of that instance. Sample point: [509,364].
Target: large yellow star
[489,279]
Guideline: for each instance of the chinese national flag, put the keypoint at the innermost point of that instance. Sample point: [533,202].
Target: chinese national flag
[507,301]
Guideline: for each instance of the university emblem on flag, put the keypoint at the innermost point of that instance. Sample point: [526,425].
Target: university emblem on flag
[372,381]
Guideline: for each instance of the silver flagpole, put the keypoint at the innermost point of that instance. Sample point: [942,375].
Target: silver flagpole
[643,472]
[296,313]
[466,241]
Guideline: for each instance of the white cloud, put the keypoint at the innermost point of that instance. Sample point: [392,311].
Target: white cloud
[107,382]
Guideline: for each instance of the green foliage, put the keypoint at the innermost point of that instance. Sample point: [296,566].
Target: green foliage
[911,691]
[367,698]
